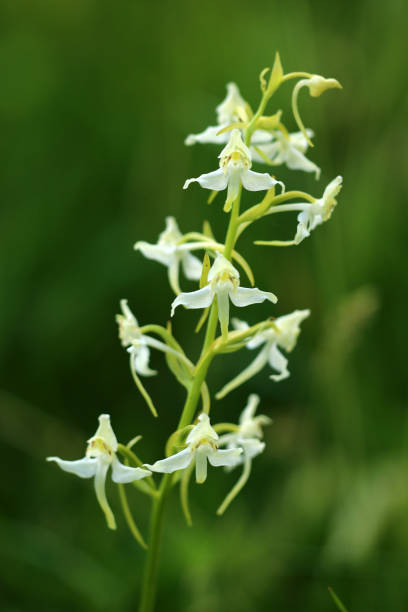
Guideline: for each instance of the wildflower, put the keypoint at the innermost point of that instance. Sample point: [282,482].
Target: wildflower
[311,214]
[137,343]
[235,164]
[232,110]
[320,210]
[223,282]
[283,335]
[286,149]
[202,445]
[248,437]
[100,454]
[249,433]
[170,253]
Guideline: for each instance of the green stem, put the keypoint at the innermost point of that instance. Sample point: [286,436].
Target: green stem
[156,523]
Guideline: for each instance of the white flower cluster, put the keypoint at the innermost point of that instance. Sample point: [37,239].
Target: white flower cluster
[246,138]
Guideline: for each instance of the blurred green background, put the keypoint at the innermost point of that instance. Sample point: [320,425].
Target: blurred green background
[96,98]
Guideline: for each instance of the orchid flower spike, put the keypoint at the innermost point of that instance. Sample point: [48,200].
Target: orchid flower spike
[286,149]
[234,109]
[100,454]
[223,282]
[234,170]
[202,445]
[247,437]
[284,335]
[138,344]
[170,253]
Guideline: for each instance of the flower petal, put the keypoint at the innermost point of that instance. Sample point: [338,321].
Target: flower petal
[208,135]
[295,160]
[257,181]
[161,253]
[229,456]
[84,468]
[201,463]
[278,362]
[252,447]
[192,266]
[173,273]
[194,299]
[123,473]
[100,479]
[140,360]
[217,180]
[243,296]
[223,311]
[179,461]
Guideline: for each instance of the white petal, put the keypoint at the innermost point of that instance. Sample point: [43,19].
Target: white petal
[297,161]
[201,463]
[225,457]
[223,311]
[84,468]
[174,275]
[194,299]
[252,447]
[234,182]
[239,325]
[100,479]
[140,359]
[217,180]
[179,461]
[105,432]
[243,296]
[271,150]
[161,253]
[209,135]
[255,181]
[260,137]
[192,266]
[123,473]
[279,363]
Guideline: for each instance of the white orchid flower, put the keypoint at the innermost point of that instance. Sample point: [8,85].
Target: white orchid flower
[223,283]
[202,446]
[232,110]
[287,149]
[235,164]
[138,344]
[284,335]
[100,455]
[311,214]
[249,433]
[248,437]
[170,253]
[319,211]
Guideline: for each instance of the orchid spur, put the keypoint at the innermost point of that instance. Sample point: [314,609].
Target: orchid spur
[100,455]
[223,283]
